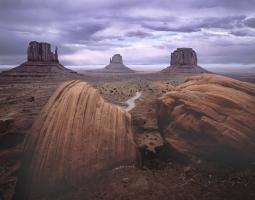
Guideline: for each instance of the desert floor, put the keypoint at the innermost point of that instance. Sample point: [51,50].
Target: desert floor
[21,99]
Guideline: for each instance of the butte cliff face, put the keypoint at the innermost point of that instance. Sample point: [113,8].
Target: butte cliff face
[184,60]
[116,65]
[76,135]
[210,116]
[41,52]
[41,62]
[184,56]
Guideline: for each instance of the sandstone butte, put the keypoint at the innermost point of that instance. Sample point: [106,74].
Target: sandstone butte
[41,62]
[184,60]
[116,65]
[210,116]
[76,135]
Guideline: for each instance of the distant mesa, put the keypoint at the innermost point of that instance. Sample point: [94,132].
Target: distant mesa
[116,65]
[76,135]
[41,61]
[184,60]
[184,56]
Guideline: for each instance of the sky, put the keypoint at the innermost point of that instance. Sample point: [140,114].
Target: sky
[89,32]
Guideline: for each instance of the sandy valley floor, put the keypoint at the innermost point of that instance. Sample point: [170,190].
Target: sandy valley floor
[22,99]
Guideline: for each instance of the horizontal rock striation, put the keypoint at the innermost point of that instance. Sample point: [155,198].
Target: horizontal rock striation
[116,65]
[211,117]
[29,69]
[76,135]
[184,60]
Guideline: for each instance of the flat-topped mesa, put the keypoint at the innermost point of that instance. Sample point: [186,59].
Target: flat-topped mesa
[184,56]
[116,65]
[184,60]
[41,52]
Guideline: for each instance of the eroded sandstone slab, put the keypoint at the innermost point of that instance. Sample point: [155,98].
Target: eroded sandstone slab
[211,117]
[76,135]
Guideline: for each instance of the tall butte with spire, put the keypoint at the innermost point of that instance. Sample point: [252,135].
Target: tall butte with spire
[41,62]
[41,52]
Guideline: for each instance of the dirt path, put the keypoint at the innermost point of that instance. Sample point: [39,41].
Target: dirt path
[131,102]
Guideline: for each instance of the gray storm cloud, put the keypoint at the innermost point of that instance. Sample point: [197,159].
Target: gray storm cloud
[87,31]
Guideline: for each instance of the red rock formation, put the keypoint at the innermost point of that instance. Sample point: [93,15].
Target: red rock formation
[76,135]
[41,52]
[184,60]
[41,62]
[210,116]
[116,65]
[184,56]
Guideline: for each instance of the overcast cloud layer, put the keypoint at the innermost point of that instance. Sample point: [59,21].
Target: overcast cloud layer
[143,31]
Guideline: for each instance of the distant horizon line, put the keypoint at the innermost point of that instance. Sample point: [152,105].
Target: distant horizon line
[159,65]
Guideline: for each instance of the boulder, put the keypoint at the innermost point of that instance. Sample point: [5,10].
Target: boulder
[184,60]
[76,136]
[211,117]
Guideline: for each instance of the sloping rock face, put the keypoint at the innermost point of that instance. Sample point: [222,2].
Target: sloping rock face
[41,62]
[184,60]
[211,117]
[76,135]
[116,65]
[29,69]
